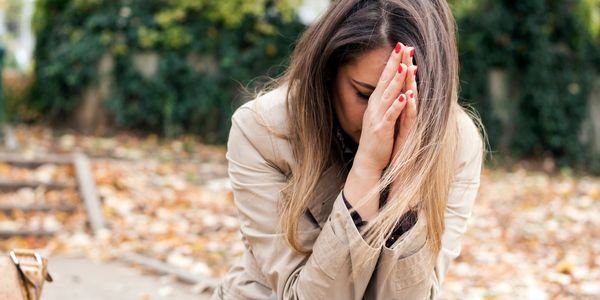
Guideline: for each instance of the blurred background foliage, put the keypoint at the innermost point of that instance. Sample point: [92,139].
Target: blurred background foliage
[178,66]
[548,54]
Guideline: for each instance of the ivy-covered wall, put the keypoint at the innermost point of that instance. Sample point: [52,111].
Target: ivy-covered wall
[203,52]
[548,52]
[545,52]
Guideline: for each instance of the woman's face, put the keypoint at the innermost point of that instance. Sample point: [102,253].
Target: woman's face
[354,84]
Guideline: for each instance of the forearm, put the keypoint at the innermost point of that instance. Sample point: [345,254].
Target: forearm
[358,184]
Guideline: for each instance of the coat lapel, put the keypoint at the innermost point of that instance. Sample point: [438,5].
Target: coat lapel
[329,186]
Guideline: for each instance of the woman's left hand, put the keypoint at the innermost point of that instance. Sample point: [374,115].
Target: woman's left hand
[408,117]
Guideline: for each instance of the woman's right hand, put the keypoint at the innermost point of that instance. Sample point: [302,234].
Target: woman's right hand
[377,136]
[379,120]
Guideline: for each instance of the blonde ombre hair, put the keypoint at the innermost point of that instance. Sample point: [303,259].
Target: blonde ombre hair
[424,166]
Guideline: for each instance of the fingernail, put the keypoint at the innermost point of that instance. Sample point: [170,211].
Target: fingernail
[402,98]
[415,73]
[411,95]
[412,52]
[400,69]
[398,47]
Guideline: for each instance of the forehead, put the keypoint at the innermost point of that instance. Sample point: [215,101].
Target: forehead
[369,66]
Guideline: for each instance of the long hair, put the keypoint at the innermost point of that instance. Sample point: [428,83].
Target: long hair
[424,165]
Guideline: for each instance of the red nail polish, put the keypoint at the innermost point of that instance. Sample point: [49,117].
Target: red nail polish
[412,95]
[412,52]
[415,71]
[402,98]
[398,47]
[400,69]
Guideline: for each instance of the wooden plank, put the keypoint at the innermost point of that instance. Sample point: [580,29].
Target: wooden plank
[39,207]
[87,189]
[36,161]
[12,185]
[25,232]
[166,269]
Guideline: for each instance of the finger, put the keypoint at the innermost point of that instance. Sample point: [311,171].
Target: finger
[411,80]
[407,55]
[392,92]
[390,70]
[411,107]
[409,115]
[392,114]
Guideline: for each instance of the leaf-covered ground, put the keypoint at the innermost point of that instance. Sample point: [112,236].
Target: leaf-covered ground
[532,235]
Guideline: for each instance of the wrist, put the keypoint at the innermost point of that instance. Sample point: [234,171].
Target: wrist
[358,183]
[364,169]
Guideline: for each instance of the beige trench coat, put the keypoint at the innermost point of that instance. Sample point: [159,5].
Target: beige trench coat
[259,163]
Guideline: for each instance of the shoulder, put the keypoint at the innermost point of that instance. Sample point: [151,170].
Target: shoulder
[468,132]
[469,140]
[262,123]
[267,109]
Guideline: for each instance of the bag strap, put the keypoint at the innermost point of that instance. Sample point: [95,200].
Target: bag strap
[33,270]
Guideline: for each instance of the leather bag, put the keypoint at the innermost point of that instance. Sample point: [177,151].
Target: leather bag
[22,275]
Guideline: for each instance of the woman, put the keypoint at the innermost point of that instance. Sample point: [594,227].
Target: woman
[354,176]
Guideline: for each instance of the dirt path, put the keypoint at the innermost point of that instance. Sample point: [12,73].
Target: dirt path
[82,279]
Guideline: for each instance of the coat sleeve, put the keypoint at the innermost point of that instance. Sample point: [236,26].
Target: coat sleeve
[335,269]
[461,200]
[400,276]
